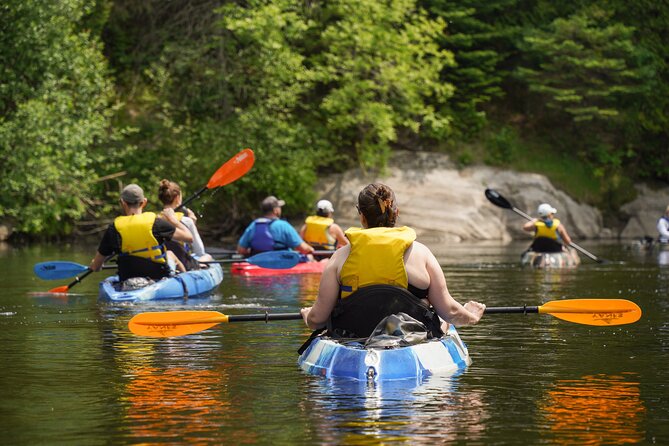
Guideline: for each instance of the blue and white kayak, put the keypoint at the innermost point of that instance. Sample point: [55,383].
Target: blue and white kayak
[196,283]
[331,359]
[550,260]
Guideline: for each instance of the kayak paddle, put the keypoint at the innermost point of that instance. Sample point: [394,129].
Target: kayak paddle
[66,288]
[60,269]
[269,259]
[601,312]
[64,270]
[233,169]
[495,198]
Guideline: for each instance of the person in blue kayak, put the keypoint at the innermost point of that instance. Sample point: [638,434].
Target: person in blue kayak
[139,239]
[663,227]
[382,271]
[550,234]
[320,231]
[270,232]
[190,254]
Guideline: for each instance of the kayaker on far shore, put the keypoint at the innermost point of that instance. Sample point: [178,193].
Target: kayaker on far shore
[320,231]
[270,232]
[663,227]
[381,257]
[189,254]
[550,234]
[139,239]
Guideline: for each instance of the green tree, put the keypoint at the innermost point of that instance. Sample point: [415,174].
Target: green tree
[55,108]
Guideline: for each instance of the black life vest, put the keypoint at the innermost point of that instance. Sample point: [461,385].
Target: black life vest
[358,314]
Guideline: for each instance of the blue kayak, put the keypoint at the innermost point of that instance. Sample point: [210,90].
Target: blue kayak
[197,283]
[331,359]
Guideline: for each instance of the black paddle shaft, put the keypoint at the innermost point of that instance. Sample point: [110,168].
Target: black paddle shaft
[191,198]
[524,310]
[264,317]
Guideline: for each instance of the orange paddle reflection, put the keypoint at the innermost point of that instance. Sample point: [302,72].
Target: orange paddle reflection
[598,409]
[181,404]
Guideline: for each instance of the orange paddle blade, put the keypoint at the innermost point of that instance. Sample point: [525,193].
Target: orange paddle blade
[174,323]
[59,289]
[233,169]
[594,311]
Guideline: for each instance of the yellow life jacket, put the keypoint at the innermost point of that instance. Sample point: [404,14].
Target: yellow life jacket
[137,237]
[316,232]
[186,246]
[377,257]
[544,231]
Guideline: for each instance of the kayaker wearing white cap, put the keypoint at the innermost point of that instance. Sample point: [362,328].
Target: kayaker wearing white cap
[549,233]
[663,227]
[381,271]
[320,230]
[139,239]
[269,232]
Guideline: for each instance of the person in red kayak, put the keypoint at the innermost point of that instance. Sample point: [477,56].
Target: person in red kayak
[381,270]
[139,239]
[270,232]
[320,230]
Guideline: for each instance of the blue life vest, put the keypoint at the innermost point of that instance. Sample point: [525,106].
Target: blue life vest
[262,240]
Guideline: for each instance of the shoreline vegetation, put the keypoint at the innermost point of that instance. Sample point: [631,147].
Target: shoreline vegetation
[96,94]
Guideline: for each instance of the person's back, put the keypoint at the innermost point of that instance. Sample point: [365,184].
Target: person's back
[189,254]
[663,227]
[270,232]
[548,231]
[355,271]
[139,239]
[320,231]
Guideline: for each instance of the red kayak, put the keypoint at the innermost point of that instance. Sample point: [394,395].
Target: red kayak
[246,269]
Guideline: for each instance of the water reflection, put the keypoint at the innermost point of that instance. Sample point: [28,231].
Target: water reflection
[596,409]
[355,413]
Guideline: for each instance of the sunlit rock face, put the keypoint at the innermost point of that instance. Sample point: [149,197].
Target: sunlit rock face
[644,211]
[447,204]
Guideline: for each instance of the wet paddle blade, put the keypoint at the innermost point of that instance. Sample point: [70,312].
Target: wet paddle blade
[495,198]
[233,169]
[174,323]
[601,312]
[275,259]
[58,270]
[60,289]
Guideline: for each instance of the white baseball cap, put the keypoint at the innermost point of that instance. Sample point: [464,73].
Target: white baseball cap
[544,209]
[325,205]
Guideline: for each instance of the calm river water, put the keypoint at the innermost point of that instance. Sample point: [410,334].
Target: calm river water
[73,374]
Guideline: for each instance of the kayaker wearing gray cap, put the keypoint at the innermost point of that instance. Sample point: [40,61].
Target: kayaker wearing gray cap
[139,239]
[269,232]
[383,257]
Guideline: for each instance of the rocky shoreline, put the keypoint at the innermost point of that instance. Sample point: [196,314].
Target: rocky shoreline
[444,203]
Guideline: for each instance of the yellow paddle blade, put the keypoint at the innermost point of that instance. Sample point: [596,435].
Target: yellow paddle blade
[594,311]
[174,323]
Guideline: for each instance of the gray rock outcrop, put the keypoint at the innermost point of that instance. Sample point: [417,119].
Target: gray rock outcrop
[447,204]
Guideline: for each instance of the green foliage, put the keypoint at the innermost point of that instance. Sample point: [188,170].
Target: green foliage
[379,67]
[502,147]
[55,99]
[584,66]
[479,43]
[316,87]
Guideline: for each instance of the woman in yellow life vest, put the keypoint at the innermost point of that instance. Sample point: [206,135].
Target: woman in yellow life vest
[549,234]
[380,256]
[139,239]
[320,231]
[189,254]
